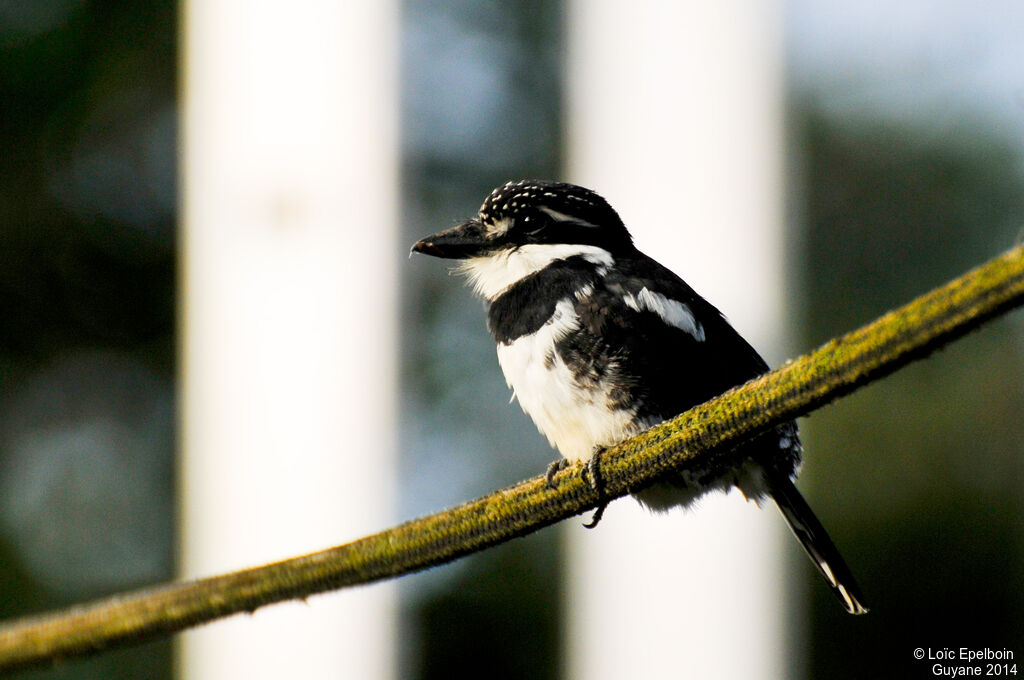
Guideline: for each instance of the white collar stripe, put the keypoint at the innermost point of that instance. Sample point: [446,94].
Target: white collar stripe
[492,274]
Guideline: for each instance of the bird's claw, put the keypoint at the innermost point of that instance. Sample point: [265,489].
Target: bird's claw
[596,517]
[554,468]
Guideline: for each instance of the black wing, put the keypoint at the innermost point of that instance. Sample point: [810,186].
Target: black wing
[673,367]
[662,368]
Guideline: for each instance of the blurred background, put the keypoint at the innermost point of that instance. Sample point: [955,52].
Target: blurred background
[903,147]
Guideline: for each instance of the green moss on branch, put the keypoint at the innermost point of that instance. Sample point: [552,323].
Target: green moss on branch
[837,368]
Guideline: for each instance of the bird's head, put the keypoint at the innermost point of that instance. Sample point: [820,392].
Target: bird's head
[526,225]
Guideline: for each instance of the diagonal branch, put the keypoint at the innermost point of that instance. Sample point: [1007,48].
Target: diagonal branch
[711,429]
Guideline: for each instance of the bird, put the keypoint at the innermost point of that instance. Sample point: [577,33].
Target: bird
[599,342]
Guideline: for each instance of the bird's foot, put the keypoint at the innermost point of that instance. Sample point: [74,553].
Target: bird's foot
[592,474]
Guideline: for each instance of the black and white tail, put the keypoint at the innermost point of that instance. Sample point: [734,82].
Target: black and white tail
[815,541]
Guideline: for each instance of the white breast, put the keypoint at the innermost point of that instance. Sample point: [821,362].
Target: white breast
[575,418]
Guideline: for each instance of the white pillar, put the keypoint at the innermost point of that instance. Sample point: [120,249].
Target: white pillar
[288,319]
[675,116]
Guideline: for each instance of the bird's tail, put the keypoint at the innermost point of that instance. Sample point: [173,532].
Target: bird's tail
[815,541]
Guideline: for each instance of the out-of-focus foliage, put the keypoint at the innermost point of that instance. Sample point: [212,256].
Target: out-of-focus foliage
[921,474]
[87,203]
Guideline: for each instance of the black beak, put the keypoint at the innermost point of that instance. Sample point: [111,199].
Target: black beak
[465,240]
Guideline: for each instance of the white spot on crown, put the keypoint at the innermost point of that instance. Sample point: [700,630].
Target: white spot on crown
[562,217]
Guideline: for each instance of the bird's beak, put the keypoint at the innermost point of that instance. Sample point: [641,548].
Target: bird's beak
[466,240]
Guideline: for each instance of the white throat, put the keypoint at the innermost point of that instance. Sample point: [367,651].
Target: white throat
[491,275]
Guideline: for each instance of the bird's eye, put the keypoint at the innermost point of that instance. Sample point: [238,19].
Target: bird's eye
[534,225]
